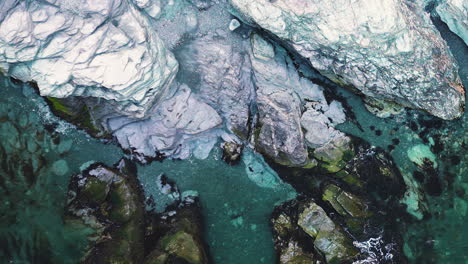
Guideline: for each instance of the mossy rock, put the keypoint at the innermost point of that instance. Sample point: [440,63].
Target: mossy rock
[76,112]
[95,190]
[183,245]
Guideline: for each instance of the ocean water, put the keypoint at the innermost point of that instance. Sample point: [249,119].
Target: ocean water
[236,205]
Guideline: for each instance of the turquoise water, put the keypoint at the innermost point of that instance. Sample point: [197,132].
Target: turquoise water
[440,236]
[236,210]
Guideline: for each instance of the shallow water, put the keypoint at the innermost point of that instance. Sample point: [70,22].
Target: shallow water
[236,210]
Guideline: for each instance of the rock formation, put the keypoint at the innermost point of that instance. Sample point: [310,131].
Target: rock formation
[388,50]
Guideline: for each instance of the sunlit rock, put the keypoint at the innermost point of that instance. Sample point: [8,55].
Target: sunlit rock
[103,49]
[388,50]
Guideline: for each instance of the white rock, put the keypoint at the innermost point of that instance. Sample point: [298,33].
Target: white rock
[93,48]
[171,129]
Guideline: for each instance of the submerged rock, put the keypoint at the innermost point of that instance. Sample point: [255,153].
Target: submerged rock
[455,14]
[103,49]
[298,224]
[388,50]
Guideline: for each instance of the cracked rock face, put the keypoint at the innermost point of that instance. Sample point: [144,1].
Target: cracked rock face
[177,121]
[455,14]
[388,50]
[105,49]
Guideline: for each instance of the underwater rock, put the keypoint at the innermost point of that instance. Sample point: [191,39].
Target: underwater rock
[421,155]
[382,109]
[103,49]
[455,14]
[388,50]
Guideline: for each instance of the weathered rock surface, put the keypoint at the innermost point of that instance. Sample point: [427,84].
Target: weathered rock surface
[455,14]
[103,49]
[293,113]
[388,50]
[110,202]
[173,124]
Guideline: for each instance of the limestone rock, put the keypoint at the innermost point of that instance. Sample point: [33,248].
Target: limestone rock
[388,50]
[103,49]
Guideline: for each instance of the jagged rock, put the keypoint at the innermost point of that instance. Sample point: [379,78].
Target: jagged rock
[455,14]
[288,105]
[176,121]
[299,224]
[389,50]
[232,152]
[103,49]
[176,236]
[220,72]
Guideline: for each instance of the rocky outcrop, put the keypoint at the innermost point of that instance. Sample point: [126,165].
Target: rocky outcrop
[103,49]
[455,14]
[110,202]
[176,236]
[175,123]
[293,114]
[299,224]
[388,50]
[336,211]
